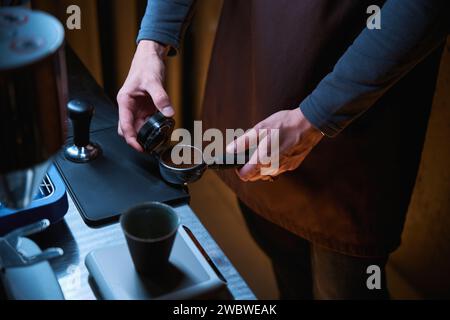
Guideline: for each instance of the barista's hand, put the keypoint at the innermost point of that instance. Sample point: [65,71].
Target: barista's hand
[143,91]
[297,137]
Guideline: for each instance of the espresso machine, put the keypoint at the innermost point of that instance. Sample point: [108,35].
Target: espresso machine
[33,94]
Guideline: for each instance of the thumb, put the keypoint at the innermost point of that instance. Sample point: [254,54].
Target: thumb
[160,98]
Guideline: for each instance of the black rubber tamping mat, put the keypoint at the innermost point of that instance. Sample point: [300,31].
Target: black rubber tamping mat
[119,179]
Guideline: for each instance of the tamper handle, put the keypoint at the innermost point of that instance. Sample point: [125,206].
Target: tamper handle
[80,113]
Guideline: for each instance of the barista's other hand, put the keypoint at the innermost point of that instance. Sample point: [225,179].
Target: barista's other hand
[297,137]
[143,91]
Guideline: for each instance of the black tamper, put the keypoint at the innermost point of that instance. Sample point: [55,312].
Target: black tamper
[81,149]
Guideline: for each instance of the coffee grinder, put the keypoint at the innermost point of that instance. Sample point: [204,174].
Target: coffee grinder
[33,94]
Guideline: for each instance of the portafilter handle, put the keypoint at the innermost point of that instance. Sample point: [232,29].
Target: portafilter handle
[232,161]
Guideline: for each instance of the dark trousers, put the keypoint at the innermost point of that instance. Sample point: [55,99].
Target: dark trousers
[306,271]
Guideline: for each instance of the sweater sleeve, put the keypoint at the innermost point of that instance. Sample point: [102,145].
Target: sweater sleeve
[166,21]
[379,58]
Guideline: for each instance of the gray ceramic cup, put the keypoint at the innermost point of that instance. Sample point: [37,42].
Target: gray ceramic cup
[150,229]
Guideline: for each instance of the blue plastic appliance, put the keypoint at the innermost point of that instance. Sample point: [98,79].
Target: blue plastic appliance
[49,203]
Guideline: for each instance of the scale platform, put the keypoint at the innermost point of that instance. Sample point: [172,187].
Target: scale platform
[190,275]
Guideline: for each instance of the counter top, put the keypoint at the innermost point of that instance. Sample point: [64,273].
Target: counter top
[77,240]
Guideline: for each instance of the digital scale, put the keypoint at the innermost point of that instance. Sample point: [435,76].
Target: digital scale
[190,274]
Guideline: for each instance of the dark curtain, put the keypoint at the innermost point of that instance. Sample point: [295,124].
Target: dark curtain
[106,44]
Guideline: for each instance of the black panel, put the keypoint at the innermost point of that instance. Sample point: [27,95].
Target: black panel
[116,181]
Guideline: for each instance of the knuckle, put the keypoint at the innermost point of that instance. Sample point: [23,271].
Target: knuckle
[127,128]
[129,139]
[160,98]
[122,96]
[152,81]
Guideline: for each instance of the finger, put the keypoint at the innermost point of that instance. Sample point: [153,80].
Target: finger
[126,123]
[160,98]
[251,170]
[139,123]
[263,178]
[248,172]
[257,164]
[249,140]
[119,129]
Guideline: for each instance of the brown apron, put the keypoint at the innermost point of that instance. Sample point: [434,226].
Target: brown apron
[352,193]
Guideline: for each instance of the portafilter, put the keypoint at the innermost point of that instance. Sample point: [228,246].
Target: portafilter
[155,136]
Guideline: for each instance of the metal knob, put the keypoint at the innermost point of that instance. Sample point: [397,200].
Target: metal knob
[81,149]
